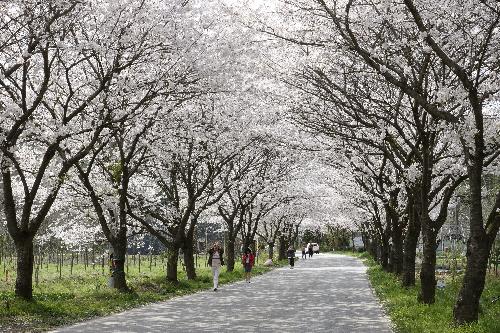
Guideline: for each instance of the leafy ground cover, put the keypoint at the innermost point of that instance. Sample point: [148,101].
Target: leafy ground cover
[85,295]
[409,316]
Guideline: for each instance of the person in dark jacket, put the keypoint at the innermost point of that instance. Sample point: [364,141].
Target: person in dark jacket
[291,256]
[310,250]
[248,259]
[215,261]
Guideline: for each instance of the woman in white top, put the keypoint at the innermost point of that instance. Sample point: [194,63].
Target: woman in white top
[215,260]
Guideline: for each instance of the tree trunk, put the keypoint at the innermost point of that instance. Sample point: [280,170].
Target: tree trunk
[247,242]
[368,245]
[396,255]
[467,305]
[270,250]
[478,247]
[172,258]
[119,252]
[188,251]
[373,249]
[230,255]
[25,260]
[409,255]
[384,255]
[428,270]
[282,249]
[410,244]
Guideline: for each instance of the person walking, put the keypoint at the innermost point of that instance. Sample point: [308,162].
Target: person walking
[310,250]
[291,256]
[248,260]
[304,255]
[215,260]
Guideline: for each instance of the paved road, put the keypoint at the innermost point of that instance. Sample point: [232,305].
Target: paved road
[329,293]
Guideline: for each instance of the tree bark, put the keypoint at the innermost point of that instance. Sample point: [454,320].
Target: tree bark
[282,249]
[188,248]
[410,254]
[410,243]
[428,270]
[25,261]
[188,251]
[384,255]
[172,258]
[466,308]
[395,234]
[373,249]
[248,242]
[119,251]
[230,255]
[270,250]
[429,229]
[467,305]
[396,255]
[382,235]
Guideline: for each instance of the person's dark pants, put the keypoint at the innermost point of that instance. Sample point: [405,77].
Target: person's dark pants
[292,261]
[310,254]
[304,256]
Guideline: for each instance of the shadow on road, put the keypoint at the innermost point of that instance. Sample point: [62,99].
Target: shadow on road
[329,293]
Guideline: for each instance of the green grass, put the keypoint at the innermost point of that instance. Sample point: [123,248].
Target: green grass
[84,295]
[409,316]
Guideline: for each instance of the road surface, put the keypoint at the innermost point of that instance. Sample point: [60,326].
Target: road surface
[328,293]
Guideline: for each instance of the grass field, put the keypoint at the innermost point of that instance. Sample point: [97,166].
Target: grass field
[409,316]
[84,294]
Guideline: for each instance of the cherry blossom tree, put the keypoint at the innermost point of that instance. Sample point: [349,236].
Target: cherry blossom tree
[192,152]
[53,74]
[396,44]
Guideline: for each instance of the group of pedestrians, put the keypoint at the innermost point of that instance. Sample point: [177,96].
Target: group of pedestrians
[291,254]
[216,260]
[307,250]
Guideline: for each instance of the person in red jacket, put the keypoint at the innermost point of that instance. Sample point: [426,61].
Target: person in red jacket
[248,260]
